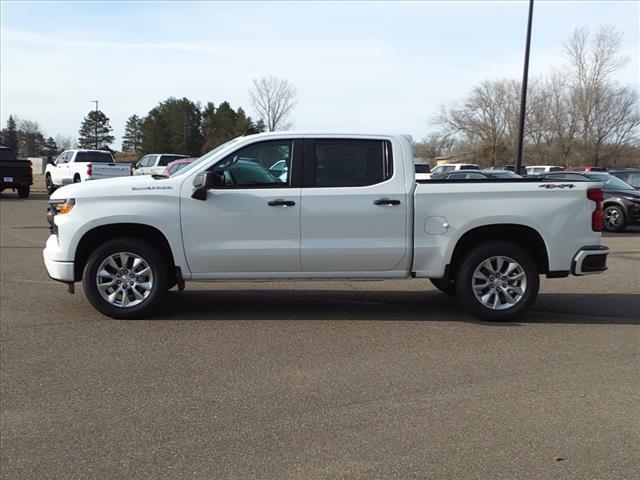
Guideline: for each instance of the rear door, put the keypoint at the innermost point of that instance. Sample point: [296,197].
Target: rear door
[354,206]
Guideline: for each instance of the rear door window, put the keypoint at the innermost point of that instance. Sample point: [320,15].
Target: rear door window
[349,163]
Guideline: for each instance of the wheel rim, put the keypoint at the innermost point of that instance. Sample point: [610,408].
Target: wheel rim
[499,282]
[613,218]
[124,279]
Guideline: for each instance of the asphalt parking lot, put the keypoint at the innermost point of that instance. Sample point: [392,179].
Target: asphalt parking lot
[325,380]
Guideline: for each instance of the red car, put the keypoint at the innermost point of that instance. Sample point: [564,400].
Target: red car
[177,165]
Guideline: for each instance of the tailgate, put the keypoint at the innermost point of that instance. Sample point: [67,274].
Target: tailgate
[110,170]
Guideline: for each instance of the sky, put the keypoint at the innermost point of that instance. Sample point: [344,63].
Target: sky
[357,66]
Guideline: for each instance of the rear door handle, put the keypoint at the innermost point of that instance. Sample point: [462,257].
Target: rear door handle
[386,201]
[281,203]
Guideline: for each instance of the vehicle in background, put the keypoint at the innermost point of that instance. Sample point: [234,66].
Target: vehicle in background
[15,174]
[588,169]
[621,201]
[155,163]
[80,165]
[423,171]
[177,165]
[628,175]
[511,167]
[540,169]
[452,167]
[350,207]
[474,175]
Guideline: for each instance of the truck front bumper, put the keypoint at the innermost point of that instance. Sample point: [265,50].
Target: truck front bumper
[590,260]
[58,270]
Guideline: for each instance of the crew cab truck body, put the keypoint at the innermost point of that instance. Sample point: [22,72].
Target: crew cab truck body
[348,207]
[80,165]
[15,174]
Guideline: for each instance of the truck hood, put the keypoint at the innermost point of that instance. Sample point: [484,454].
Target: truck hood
[118,187]
[623,193]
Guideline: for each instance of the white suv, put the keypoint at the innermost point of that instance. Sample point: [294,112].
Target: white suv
[155,163]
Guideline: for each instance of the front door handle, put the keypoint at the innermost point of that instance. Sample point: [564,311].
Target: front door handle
[281,203]
[386,201]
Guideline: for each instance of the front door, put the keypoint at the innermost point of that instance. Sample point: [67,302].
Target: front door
[354,207]
[252,223]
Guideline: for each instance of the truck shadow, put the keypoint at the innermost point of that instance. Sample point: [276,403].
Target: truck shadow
[9,196]
[376,305]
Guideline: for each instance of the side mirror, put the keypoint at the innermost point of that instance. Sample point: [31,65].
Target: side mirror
[204,181]
[50,161]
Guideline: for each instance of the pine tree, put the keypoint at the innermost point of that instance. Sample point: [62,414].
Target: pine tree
[10,135]
[132,139]
[173,127]
[49,148]
[95,131]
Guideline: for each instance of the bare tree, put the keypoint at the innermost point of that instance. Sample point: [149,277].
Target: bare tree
[273,99]
[607,113]
[65,142]
[487,118]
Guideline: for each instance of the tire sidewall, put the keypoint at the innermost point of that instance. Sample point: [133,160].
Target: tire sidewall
[23,192]
[49,184]
[624,220]
[152,256]
[464,289]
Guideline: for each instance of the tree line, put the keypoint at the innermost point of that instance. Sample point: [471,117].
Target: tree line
[175,125]
[578,115]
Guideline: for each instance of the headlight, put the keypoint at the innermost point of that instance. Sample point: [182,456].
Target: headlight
[60,207]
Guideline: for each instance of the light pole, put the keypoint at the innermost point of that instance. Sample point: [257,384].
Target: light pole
[95,124]
[523,94]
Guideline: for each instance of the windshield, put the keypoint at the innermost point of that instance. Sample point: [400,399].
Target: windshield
[207,156]
[609,182]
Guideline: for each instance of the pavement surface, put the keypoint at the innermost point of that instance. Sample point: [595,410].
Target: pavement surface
[324,380]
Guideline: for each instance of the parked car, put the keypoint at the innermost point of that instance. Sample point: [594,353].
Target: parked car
[423,171]
[628,175]
[353,211]
[475,175]
[15,174]
[621,201]
[81,165]
[177,165]
[451,167]
[539,169]
[511,167]
[155,163]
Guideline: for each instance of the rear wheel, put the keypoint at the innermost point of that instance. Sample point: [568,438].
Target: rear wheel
[126,278]
[614,219]
[497,281]
[444,285]
[49,184]
[23,192]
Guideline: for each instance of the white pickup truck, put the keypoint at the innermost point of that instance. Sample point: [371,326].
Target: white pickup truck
[80,165]
[348,206]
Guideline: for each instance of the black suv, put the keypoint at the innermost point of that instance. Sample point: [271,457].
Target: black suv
[621,201]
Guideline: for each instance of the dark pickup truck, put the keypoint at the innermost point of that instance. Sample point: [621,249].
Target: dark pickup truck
[15,174]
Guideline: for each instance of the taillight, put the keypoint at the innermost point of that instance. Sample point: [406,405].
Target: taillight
[30,169]
[597,217]
[89,169]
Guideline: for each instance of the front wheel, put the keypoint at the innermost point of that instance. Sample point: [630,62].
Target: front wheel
[23,192]
[614,219]
[49,184]
[126,278]
[497,281]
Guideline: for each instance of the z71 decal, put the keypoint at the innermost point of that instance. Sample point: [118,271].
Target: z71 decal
[558,185]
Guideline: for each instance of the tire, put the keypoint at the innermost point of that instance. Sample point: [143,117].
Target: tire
[49,184]
[524,278]
[150,287]
[445,286]
[77,179]
[23,192]
[614,219]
